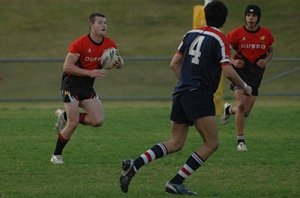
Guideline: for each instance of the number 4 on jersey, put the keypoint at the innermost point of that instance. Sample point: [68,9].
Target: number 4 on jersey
[194,50]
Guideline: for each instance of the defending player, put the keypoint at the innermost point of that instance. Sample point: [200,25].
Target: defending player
[81,67]
[201,56]
[254,49]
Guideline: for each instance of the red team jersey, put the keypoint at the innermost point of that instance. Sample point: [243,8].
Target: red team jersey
[251,45]
[89,58]
[89,51]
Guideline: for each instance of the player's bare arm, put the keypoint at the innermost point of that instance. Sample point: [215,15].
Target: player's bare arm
[70,67]
[231,74]
[175,64]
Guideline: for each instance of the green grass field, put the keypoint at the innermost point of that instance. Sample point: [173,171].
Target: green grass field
[92,159]
[43,29]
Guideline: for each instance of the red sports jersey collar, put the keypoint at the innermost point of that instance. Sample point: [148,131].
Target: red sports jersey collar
[250,30]
[94,41]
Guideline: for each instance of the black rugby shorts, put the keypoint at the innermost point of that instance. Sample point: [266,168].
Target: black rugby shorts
[192,105]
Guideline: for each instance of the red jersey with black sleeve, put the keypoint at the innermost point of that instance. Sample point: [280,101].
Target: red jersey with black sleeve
[250,47]
[90,54]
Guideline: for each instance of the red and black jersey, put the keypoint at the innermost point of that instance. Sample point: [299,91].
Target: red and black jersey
[90,54]
[250,47]
[89,51]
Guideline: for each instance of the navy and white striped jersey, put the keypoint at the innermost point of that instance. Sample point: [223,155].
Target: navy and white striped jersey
[204,49]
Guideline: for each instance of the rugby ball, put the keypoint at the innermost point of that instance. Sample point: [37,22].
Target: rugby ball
[109,57]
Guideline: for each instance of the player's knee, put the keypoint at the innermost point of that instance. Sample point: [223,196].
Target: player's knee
[97,123]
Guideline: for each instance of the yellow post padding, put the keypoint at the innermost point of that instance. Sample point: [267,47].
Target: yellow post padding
[198,21]
[198,16]
[218,97]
